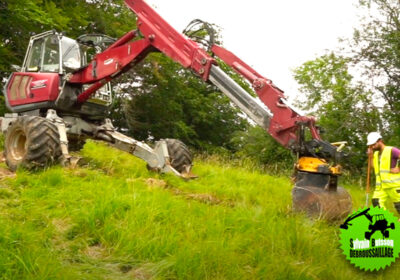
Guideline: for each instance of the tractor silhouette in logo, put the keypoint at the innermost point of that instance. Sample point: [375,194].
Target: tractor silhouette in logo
[377,223]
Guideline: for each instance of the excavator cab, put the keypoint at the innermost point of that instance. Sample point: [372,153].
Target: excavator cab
[41,83]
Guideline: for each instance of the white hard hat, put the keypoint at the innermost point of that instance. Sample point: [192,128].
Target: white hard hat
[373,137]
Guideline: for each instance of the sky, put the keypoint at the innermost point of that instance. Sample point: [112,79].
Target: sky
[272,36]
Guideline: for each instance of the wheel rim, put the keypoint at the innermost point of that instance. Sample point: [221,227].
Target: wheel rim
[17,145]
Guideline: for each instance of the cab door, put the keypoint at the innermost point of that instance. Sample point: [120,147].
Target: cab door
[39,80]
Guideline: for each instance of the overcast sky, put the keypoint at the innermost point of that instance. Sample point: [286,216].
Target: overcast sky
[272,36]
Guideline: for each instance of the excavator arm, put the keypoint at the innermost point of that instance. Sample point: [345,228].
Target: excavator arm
[316,179]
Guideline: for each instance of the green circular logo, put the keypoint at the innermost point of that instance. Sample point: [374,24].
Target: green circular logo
[370,238]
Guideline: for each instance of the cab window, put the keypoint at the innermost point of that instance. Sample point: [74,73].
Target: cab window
[36,56]
[44,56]
[51,56]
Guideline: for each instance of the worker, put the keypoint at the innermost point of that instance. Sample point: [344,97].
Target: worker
[387,171]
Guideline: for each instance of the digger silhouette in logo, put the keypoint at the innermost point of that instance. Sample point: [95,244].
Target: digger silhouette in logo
[377,223]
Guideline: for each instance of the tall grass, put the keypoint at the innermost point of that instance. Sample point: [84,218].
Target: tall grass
[114,219]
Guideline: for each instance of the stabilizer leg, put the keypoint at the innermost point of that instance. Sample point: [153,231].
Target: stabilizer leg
[158,159]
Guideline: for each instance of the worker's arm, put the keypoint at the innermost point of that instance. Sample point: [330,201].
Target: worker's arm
[395,158]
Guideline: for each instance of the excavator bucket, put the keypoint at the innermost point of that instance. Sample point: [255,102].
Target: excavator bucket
[318,196]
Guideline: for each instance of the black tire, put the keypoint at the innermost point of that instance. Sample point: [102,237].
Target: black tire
[31,142]
[180,156]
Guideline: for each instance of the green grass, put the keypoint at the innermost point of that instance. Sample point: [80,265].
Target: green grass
[113,219]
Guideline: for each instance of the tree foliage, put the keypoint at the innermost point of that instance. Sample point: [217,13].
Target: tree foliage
[257,144]
[344,108]
[166,100]
[376,48]
[22,18]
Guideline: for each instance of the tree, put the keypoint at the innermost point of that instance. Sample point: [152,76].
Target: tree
[343,108]
[376,48]
[257,144]
[166,100]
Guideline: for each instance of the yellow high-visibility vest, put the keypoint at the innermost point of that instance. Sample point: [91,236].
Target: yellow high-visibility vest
[382,170]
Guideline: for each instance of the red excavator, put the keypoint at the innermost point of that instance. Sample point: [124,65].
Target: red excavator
[58,99]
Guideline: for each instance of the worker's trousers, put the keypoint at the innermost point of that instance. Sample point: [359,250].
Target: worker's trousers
[381,195]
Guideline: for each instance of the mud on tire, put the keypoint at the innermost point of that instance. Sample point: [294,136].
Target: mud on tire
[31,142]
[179,154]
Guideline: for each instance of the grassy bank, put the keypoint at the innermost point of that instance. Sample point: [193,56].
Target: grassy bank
[113,219]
